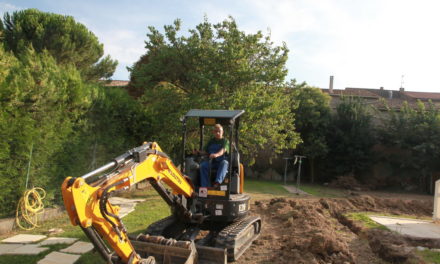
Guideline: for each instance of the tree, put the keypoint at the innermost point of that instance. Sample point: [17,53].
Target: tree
[41,107]
[312,119]
[2,29]
[350,138]
[415,131]
[215,67]
[67,41]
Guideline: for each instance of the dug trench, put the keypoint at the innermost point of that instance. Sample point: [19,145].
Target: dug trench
[318,231]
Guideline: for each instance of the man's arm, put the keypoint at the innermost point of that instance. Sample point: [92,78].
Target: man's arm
[225,148]
[217,154]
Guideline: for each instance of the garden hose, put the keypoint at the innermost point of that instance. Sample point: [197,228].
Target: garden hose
[29,207]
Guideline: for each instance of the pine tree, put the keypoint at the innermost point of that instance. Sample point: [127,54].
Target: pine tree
[68,41]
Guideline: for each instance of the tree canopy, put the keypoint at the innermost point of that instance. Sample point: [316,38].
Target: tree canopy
[41,104]
[312,120]
[415,132]
[47,105]
[216,66]
[68,41]
[350,137]
[1,30]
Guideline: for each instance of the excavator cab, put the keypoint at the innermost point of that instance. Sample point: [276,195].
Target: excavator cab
[225,209]
[230,120]
[227,203]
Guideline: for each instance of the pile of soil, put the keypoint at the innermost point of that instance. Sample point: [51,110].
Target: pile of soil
[317,231]
[347,182]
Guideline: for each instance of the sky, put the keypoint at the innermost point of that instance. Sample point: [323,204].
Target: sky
[365,44]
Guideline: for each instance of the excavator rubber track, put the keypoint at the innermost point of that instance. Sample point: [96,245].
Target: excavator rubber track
[238,236]
[156,228]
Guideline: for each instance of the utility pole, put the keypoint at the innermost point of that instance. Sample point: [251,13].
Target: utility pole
[298,179]
[285,169]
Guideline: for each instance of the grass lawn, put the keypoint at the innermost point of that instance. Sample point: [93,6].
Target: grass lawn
[365,219]
[265,187]
[323,191]
[272,188]
[429,256]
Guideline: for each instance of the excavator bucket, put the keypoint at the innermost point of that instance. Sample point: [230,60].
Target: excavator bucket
[167,251]
[210,255]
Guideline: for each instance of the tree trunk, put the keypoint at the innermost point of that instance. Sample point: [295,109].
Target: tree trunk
[312,170]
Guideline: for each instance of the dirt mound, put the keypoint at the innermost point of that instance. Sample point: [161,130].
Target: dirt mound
[347,182]
[390,246]
[316,231]
[366,203]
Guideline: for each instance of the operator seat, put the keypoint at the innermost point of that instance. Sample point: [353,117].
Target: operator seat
[235,176]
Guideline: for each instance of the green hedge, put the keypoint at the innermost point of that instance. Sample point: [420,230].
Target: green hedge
[71,125]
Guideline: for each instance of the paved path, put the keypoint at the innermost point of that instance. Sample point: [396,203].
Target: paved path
[410,227]
[35,244]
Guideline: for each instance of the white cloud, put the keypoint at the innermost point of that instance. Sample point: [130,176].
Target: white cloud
[7,7]
[126,46]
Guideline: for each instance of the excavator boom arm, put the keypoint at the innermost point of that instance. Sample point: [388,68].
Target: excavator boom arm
[87,203]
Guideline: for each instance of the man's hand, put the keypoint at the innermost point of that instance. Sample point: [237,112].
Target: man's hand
[199,152]
[213,156]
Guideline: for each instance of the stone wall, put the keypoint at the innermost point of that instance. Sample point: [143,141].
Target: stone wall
[7,225]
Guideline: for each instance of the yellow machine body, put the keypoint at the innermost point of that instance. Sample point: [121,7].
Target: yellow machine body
[81,200]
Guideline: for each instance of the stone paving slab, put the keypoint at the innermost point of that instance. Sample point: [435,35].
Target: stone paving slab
[59,258]
[5,248]
[58,240]
[410,227]
[124,213]
[126,206]
[78,248]
[29,249]
[24,239]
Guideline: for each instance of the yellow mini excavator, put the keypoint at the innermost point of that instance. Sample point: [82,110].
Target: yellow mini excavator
[206,225]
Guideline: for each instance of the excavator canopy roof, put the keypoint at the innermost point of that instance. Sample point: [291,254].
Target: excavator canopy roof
[221,114]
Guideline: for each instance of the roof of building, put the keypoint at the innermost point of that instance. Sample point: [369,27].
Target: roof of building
[422,95]
[391,94]
[351,92]
[385,99]
[116,83]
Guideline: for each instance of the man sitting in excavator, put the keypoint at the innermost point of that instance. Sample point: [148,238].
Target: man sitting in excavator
[217,148]
[224,214]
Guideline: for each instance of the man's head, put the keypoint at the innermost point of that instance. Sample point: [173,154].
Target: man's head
[218,131]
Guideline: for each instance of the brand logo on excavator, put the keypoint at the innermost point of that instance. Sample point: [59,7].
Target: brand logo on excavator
[176,177]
